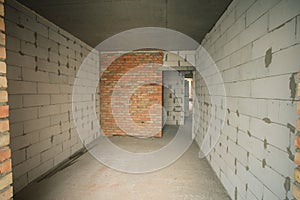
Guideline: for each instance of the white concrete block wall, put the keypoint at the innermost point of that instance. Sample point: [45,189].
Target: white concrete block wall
[256,47]
[173,97]
[201,108]
[42,62]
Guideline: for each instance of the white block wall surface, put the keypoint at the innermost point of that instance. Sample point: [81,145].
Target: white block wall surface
[173,97]
[42,62]
[256,47]
[174,93]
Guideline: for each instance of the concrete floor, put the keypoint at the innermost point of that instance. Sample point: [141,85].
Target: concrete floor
[189,178]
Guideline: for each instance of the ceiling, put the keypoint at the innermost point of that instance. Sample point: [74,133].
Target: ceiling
[93,21]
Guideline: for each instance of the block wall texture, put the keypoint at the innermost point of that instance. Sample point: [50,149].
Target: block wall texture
[174,93]
[255,45]
[143,68]
[6,189]
[173,97]
[42,61]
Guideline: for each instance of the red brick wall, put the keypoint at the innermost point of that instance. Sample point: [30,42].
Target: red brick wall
[141,100]
[296,185]
[5,153]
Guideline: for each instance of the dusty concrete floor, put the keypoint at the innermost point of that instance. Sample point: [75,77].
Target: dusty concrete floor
[189,178]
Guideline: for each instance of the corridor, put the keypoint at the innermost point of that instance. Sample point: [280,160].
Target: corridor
[189,178]
[100,98]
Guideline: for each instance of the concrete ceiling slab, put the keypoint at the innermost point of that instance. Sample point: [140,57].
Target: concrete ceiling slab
[93,21]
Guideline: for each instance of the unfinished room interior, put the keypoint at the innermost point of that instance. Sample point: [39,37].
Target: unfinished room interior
[142,100]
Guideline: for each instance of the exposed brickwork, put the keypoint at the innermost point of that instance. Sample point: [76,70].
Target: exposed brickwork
[3,111]
[141,101]
[297,142]
[296,185]
[5,154]
[143,97]
[296,190]
[42,61]
[7,194]
[5,167]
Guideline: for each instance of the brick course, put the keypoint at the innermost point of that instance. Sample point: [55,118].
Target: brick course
[6,191]
[296,185]
[143,97]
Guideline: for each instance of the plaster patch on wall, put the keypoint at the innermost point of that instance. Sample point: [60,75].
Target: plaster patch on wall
[264,163]
[291,127]
[291,155]
[237,113]
[268,57]
[267,120]
[287,184]
[293,86]
[265,143]
[249,134]
[235,193]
